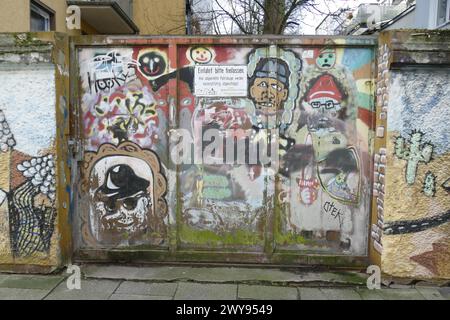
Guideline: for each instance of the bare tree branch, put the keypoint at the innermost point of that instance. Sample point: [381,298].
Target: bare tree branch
[251,16]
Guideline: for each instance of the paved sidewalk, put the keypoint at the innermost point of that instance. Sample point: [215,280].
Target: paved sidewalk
[189,283]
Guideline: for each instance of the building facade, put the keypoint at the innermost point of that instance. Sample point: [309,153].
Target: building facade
[143,17]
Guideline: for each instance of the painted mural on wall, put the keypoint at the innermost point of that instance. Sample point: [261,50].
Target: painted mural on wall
[324,173]
[27,164]
[416,240]
[298,134]
[125,114]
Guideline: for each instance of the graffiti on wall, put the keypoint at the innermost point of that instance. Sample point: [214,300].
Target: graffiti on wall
[124,123]
[126,195]
[417,226]
[305,119]
[322,165]
[28,162]
[414,152]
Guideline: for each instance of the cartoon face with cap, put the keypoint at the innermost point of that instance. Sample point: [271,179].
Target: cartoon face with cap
[269,84]
[123,203]
[323,103]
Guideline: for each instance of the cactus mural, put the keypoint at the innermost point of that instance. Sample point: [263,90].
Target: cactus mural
[429,184]
[414,152]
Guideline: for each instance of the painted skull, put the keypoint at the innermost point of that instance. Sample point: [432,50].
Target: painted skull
[122,204]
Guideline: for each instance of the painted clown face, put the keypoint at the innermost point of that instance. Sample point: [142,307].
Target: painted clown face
[201,55]
[326,59]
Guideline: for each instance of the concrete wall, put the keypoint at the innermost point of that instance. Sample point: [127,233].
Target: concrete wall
[412,189]
[32,152]
[160,17]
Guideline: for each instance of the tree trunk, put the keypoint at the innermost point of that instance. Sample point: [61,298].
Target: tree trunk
[273,17]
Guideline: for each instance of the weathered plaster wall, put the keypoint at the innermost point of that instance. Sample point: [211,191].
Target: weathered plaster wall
[31,151]
[27,100]
[417,202]
[411,192]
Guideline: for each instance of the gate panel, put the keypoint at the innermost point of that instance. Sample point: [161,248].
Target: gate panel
[223,203]
[124,123]
[324,178]
[226,149]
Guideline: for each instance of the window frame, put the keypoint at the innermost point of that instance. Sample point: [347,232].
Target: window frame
[447,15]
[45,12]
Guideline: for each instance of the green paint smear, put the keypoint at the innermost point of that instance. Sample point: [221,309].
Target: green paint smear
[216,193]
[215,181]
[238,237]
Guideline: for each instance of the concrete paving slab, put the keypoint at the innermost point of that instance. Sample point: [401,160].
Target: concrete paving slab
[163,289]
[445,292]
[22,294]
[430,293]
[134,288]
[401,294]
[221,275]
[31,282]
[311,294]
[205,291]
[267,293]
[341,294]
[146,288]
[120,296]
[90,290]
[367,294]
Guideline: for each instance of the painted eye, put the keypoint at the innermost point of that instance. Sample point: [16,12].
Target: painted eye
[157,59]
[146,60]
[329,104]
[330,56]
[110,205]
[276,87]
[315,104]
[130,203]
[197,52]
[263,84]
[321,56]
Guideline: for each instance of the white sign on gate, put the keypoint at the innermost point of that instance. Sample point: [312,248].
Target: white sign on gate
[221,81]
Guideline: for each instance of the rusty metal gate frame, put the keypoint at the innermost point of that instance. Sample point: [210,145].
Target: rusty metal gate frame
[269,257]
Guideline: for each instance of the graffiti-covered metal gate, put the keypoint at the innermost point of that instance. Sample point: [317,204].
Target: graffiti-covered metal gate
[224,149]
